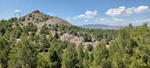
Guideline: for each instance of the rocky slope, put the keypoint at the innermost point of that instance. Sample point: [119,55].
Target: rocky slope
[40,19]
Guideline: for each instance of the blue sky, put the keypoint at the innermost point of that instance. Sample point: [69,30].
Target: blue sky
[82,12]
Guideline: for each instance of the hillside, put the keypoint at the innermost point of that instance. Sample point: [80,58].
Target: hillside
[39,23]
[37,40]
[44,24]
[40,19]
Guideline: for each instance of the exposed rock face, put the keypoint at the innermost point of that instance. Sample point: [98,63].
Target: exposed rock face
[77,40]
[70,37]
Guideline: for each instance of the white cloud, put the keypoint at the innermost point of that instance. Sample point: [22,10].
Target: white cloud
[141,9]
[79,16]
[88,14]
[102,20]
[17,11]
[85,20]
[118,20]
[121,11]
[68,18]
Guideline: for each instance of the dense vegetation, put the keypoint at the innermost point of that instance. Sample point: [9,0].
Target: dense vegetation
[23,47]
[87,34]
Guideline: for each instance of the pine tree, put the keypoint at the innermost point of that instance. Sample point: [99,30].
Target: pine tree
[69,58]
[43,43]
[56,35]
[100,53]
[4,52]
[80,56]
[53,58]
[43,61]
[23,55]
[86,53]
[89,47]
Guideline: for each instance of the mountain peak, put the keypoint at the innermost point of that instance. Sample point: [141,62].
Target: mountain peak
[40,18]
[36,11]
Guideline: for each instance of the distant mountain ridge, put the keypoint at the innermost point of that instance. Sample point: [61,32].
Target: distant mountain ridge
[100,26]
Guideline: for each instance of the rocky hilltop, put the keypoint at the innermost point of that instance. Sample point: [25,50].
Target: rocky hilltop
[39,19]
